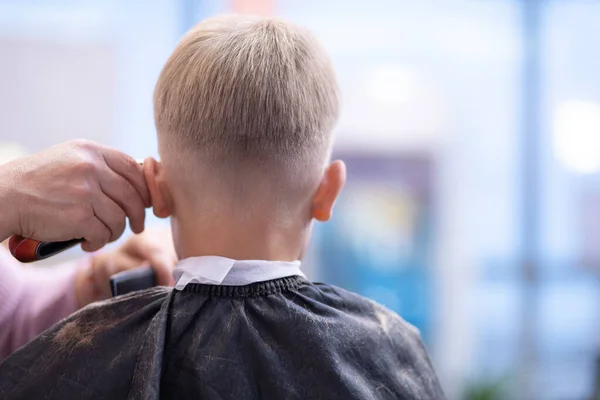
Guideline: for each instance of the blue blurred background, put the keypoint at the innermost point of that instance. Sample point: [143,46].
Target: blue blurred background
[471,129]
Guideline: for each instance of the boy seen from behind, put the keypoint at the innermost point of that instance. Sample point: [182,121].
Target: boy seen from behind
[244,111]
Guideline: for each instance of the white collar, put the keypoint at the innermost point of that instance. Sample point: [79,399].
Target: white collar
[225,271]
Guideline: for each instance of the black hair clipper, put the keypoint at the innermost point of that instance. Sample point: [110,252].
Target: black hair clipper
[131,280]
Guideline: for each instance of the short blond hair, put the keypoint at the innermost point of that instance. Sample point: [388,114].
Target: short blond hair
[249,91]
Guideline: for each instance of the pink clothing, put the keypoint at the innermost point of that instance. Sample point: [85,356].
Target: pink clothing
[31,300]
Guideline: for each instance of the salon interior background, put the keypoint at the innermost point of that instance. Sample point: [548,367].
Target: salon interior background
[472,134]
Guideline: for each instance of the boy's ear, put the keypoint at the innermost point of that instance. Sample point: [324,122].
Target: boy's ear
[159,194]
[330,187]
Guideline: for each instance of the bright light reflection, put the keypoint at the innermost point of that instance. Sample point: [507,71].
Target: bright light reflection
[576,137]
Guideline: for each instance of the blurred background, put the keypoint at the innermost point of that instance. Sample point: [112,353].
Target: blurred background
[471,129]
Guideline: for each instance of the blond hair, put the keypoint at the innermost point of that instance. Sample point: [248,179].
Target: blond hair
[249,92]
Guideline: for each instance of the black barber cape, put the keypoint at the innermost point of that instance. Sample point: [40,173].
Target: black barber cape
[281,339]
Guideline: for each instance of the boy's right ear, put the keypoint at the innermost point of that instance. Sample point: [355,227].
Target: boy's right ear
[161,198]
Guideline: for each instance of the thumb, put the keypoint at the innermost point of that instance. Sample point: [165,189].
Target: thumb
[163,266]
[161,257]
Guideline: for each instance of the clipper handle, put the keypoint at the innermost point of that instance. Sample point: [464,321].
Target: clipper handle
[29,250]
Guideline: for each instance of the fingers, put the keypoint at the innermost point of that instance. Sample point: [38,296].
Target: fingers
[111,215]
[106,265]
[122,259]
[96,236]
[161,260]
[130,170]
[122,192]
[101,275]
[154,248]
[163,268]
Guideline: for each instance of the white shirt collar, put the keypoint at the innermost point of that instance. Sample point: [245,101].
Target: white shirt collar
[225,271]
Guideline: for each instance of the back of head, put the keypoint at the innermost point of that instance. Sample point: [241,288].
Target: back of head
[253,98]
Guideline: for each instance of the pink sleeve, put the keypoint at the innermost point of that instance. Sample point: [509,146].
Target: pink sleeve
[31,300]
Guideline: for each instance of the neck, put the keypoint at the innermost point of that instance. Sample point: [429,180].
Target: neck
[254,239]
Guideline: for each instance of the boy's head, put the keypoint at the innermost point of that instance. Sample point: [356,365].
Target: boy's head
[244,110]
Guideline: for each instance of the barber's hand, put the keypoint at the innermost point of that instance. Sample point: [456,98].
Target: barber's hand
[73,190]
[153,247]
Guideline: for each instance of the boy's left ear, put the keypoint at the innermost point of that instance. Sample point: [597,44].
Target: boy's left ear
[329,189]
[161,198]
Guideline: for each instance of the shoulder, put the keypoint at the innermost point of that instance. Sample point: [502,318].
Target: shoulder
[91,321]
[87,324]
[353,303]
[126,304]
[395,343]
[104,334]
